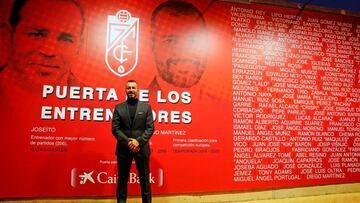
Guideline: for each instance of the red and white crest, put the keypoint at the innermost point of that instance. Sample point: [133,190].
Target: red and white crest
[122,43]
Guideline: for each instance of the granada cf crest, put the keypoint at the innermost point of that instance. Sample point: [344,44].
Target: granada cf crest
[122,43]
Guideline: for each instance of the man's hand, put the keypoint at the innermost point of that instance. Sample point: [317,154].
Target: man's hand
[133,145]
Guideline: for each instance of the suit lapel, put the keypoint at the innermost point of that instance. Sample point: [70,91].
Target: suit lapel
[128,114]
[137,111]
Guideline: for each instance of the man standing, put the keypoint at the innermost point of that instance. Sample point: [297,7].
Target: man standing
[133,126]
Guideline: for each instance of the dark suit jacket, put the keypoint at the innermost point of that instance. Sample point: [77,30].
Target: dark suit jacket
[141,129]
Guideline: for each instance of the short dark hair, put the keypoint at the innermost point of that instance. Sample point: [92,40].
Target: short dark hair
[131,80]
[176,7]
[15,16]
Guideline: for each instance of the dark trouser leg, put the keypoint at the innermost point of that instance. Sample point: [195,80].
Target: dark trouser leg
[142,166]
[124,165]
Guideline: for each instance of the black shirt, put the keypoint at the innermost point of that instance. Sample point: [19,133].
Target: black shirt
[132,105]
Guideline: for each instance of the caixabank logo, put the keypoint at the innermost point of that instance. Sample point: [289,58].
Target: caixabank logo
[122,43]
[88,177]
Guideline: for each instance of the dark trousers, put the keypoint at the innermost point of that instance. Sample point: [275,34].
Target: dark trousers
[142,166]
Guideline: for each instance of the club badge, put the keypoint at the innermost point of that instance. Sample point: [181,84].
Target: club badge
[122,43]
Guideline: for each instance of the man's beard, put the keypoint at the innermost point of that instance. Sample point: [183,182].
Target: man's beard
[131,98]
[176,74]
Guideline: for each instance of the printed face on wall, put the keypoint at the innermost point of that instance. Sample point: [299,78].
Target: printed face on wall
[45,41]
[179,46]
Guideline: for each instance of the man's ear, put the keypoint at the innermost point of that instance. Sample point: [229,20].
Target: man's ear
[5,37]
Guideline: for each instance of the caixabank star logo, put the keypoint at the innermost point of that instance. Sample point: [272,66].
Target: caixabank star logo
[122,43]
[88,177]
